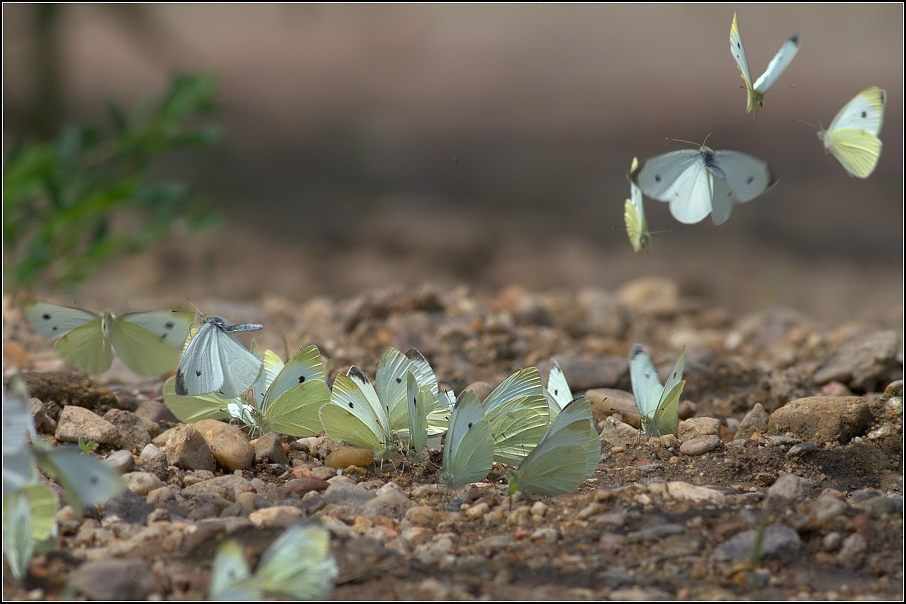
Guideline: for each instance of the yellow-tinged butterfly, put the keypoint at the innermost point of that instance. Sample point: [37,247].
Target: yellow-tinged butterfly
[853,135]
[149,343]
[657,403]
[634,215]
[776,67]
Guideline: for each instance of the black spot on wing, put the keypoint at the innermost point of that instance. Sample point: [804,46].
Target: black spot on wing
[657,178]
[470,425]
[301,379]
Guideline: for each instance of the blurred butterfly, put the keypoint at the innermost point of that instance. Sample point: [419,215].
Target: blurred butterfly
[297,565]
[215,361]
[567,454]
[853,135]
[149,343]
[519,415]
[634,215]
[557,393]
[657,403]
[776,67]
[701,182]
[469,450]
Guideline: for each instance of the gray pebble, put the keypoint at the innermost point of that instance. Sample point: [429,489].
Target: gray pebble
[153,460]
[133,434]
[852,552]
[821,419]
[142,483]
[390,503]
[755,421]
[155,412]
[187,449]
[863,361]
[121,461]
[655,532]
[270,446]
[787,489]
[346,493]
[583,373]
[698,426]
[779,542]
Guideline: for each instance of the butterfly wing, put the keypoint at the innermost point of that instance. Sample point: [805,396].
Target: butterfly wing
[298,564]
[296,411]
[87,347]
[747,176]
[469,451]
[149,343]
[646,386]
[864,112]
[665,419]
[525,382]
[191,409]
[230,575]
[238,366]
[680,178]
[778,64]
[561,461]
[418,399]
[518,425]
[304,367]
[739,54]
[86,481]
[199,369]
[53,320]
[857,150]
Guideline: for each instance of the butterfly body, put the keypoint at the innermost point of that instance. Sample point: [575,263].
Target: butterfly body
[700,182]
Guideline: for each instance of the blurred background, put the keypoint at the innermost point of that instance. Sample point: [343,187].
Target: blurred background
[372,145]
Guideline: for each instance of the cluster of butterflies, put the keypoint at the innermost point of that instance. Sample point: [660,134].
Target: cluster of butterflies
[700,182]
[30,506]
[545,434]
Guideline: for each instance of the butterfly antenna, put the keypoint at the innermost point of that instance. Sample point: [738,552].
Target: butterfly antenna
[820,126]
[680,140]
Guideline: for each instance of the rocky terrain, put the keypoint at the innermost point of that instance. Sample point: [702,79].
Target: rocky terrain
[784,479]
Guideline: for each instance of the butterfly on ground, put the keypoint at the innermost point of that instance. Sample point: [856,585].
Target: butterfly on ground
[755,92]
[657,403]
[149,343]
[700,182]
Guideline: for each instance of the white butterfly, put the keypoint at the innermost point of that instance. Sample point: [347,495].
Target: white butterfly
[469,450]
[702,182]
[853,135]
[297,565]
[567,454]
[148,342]
[215,361]
[634,215]
[376,417]
[657,403]
[519,415]
[776,67]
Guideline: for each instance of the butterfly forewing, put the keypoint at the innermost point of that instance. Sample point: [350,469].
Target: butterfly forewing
[469,451]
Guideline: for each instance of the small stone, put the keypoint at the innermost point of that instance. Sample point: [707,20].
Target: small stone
[863,361]
[825,508]
[142,483]
[546,534]
[132,431]
[700,445]
[683,491]
[346,493]
[698,426]
[422,516]
[821,419]
[228,444]
[650,296]
[617,434]
[779,541]
[344,457]
[787,490]
[584,373]
[112,580]
[754,422]
[434,552]
[477,511]
[852,552]
[78,422]
[278,516]
[270,447]
[609,401]
[491,545]
[187,449]
[155,412]
[121,461]
[389,503]
[153,460]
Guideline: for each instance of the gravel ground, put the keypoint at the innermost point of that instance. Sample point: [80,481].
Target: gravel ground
[791,436]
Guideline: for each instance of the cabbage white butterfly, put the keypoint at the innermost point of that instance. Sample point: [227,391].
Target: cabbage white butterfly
[634,215]
[853,135]
[776,67]
[657,403]
[419,398]
[567,454]
[557,393]
[148,342]
[469,450]
[298,565]
[702,182]
[215,361]
[376,416]
[85,480]
[519,415]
